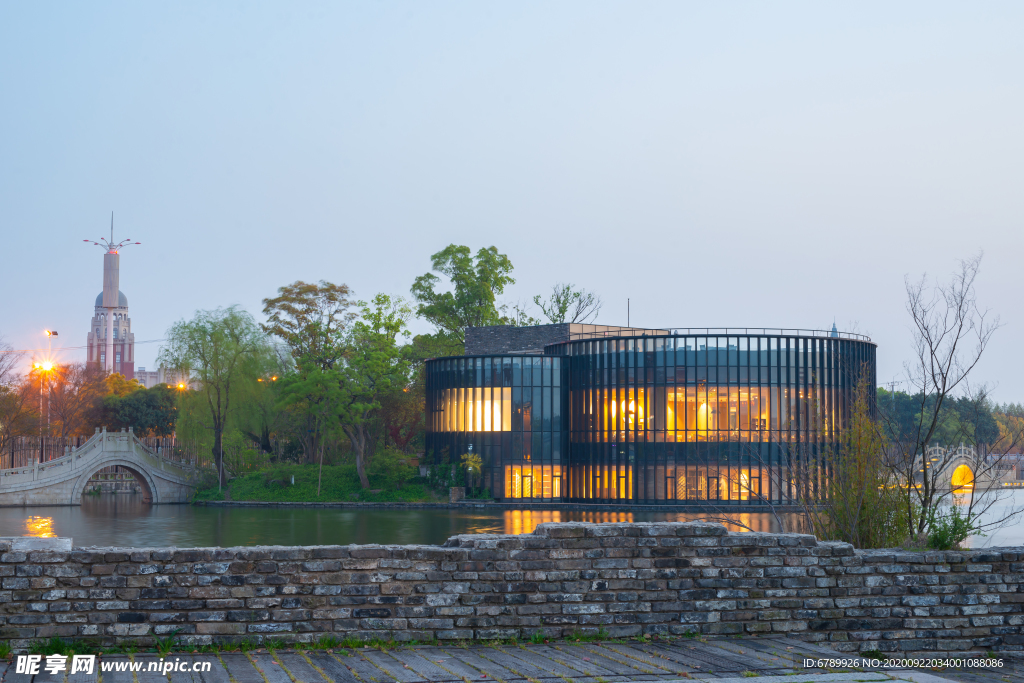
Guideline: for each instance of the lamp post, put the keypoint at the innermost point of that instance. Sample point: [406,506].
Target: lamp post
[44,368]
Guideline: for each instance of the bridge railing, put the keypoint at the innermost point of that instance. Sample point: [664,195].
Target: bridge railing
[25,451]
[239,458]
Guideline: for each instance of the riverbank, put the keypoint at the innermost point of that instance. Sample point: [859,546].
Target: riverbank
[695,508]
[292,483]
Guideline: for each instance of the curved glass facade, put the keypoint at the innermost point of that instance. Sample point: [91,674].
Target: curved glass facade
[649,419]
[511,410]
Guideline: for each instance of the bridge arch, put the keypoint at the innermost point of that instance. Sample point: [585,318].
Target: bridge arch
[150,491]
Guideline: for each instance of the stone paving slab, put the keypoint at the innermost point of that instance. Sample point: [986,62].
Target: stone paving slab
[723,660]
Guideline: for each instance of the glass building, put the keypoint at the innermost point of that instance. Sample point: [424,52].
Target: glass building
[647,416]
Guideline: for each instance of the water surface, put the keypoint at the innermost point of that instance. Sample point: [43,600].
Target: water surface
[124,520]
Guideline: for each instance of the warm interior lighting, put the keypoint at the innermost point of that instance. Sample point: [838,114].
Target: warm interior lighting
[963,478]
[533,481]
[477,409]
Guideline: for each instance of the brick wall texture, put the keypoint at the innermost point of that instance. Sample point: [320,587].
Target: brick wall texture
[628,579]
[498,339]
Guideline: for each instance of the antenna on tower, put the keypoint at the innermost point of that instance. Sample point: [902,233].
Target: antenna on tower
[109,245]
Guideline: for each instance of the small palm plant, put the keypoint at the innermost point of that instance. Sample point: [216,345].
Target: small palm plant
[474,465]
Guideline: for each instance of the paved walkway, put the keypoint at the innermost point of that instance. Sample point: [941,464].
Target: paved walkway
[727,660]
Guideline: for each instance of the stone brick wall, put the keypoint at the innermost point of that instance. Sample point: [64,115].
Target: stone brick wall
[628,579]
[497,339]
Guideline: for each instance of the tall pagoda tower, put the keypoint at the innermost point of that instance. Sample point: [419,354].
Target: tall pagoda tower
[111,342]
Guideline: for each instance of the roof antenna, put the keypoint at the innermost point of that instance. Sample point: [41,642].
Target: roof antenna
[110,246]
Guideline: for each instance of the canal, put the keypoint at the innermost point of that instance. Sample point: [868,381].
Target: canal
[124,520]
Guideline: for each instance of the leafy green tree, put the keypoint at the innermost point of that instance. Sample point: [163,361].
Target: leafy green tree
[214,350]
[314,321]
[566,304]
[151,412]
[311,318]
[375,365]
[259,416]
[475,284]
[320,395]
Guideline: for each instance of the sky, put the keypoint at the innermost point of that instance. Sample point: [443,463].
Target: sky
[717,164]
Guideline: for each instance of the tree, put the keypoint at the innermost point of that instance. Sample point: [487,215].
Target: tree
[320,394]
[75,391]
[18,401]
[475,283]
[149,412]
[213,350]
[259,416]
[856,500]
[950,335]
[374,366]
[402,414]
[310,319]
[313,320]
[566,304]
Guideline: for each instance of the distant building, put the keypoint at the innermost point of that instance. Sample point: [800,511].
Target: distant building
[150,378]
[123,346]
[110,344]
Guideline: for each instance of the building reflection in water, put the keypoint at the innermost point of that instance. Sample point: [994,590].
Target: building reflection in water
[525,521]
[40,527]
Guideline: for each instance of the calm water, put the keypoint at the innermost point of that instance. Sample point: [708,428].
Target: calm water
[124,520]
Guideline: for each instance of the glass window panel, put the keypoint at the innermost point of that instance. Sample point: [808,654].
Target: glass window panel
[506,409]
[527,409]
[542,397]
[556,410]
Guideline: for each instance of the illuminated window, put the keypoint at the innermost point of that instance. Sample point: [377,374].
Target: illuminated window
[533,481]
[479,409]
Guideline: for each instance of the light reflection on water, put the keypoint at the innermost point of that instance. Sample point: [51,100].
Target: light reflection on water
[40,527]
[124,520]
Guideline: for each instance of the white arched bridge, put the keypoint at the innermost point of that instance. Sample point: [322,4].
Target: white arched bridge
[63,481]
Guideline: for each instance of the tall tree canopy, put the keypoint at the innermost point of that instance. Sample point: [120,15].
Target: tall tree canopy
[314,320]
[311,319]
[374,367]
[475,284]
[214,350]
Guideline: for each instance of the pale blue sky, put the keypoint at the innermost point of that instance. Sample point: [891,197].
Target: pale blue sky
[775,164]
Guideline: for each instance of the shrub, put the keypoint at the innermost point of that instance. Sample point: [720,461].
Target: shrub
[948,530]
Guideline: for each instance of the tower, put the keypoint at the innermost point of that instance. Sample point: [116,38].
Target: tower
[114,350]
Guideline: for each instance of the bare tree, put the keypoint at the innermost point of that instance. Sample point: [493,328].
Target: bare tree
[566,304]
[18,402]
[950,334]
[74,389]
[8,364]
